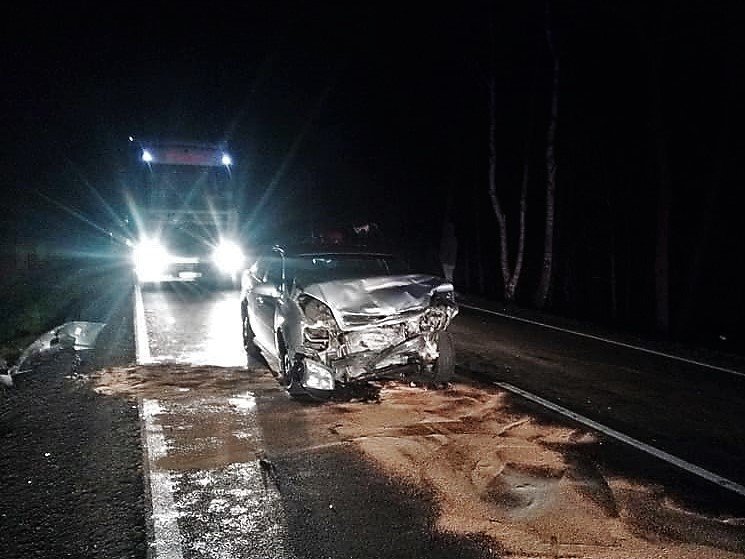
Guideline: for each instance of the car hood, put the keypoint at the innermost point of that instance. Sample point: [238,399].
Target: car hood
[355,302]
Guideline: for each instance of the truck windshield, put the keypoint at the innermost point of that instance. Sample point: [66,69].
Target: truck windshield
[189,186]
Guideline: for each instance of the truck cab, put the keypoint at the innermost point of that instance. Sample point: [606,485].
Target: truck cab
[182,200]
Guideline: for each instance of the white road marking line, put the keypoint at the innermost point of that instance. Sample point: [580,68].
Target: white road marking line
[142,345]
[612,433]
[607,340]
[233,509]
[165,526]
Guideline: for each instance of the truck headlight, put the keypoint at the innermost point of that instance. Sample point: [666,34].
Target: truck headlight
[150,259]
[228,257]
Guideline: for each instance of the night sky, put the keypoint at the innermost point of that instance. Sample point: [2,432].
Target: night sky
[345,113]
[351,105]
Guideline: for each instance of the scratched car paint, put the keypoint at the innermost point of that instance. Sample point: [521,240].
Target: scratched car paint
[330,317]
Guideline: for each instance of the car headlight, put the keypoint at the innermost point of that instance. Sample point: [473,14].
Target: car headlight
[228,257]
[320,323]
[317,376]
[315,311]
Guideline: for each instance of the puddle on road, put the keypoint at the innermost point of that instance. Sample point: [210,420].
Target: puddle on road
[494,471]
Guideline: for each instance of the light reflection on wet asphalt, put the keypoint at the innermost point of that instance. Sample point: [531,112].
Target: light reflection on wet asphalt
[194,326]
[210,498]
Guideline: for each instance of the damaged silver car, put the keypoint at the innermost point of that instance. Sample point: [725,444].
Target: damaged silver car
[329,317]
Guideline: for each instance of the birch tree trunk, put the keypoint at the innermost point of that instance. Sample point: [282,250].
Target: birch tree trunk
[662,250]
[495,202]
[511,287]
[544,286]
[479,255]
[510,275]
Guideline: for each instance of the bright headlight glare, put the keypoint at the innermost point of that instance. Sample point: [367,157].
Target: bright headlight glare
[228,257]
[150,258]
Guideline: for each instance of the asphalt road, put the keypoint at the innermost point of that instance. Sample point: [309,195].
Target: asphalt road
[316,479]
[693,412]
[250,474]
[71,481]
[198,453]
[187,324]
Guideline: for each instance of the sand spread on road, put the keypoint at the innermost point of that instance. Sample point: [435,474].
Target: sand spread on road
[495,471]
[503,474]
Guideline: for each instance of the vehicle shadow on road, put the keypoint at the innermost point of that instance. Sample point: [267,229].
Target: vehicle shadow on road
[369,391]
[361,392]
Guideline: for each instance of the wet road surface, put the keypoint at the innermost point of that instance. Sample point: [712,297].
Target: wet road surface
[690,411]
[233,470]
[186,324]
[237,469]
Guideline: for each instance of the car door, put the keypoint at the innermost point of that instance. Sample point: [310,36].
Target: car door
[256,279]
[263,301]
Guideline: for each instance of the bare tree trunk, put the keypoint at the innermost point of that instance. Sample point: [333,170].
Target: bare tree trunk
[479,255]
[662,252]
[548,241]
[511,288]
[467,269]
[660,153]
[613,276]
[510,276]
[496,205]
[480,271]
[705,224]
[627,265]
[700,247]
[612,251]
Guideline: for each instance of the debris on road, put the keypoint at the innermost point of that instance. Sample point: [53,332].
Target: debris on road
[5,378]
[77,336]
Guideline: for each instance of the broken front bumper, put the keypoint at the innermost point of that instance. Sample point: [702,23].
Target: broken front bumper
[412,353]
[380,348]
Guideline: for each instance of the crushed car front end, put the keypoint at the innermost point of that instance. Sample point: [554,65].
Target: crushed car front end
[370,329]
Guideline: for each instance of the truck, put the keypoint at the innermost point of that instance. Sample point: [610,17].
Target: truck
[184,220]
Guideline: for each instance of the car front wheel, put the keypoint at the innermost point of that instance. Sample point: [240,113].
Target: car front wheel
[289,373]
[444,367]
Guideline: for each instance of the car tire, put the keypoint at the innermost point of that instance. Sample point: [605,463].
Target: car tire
[444,367]
[289,372]
[248,334]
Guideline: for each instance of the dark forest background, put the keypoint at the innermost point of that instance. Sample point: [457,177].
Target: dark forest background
[340,114]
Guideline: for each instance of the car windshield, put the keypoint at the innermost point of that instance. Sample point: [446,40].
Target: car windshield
[318,268]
